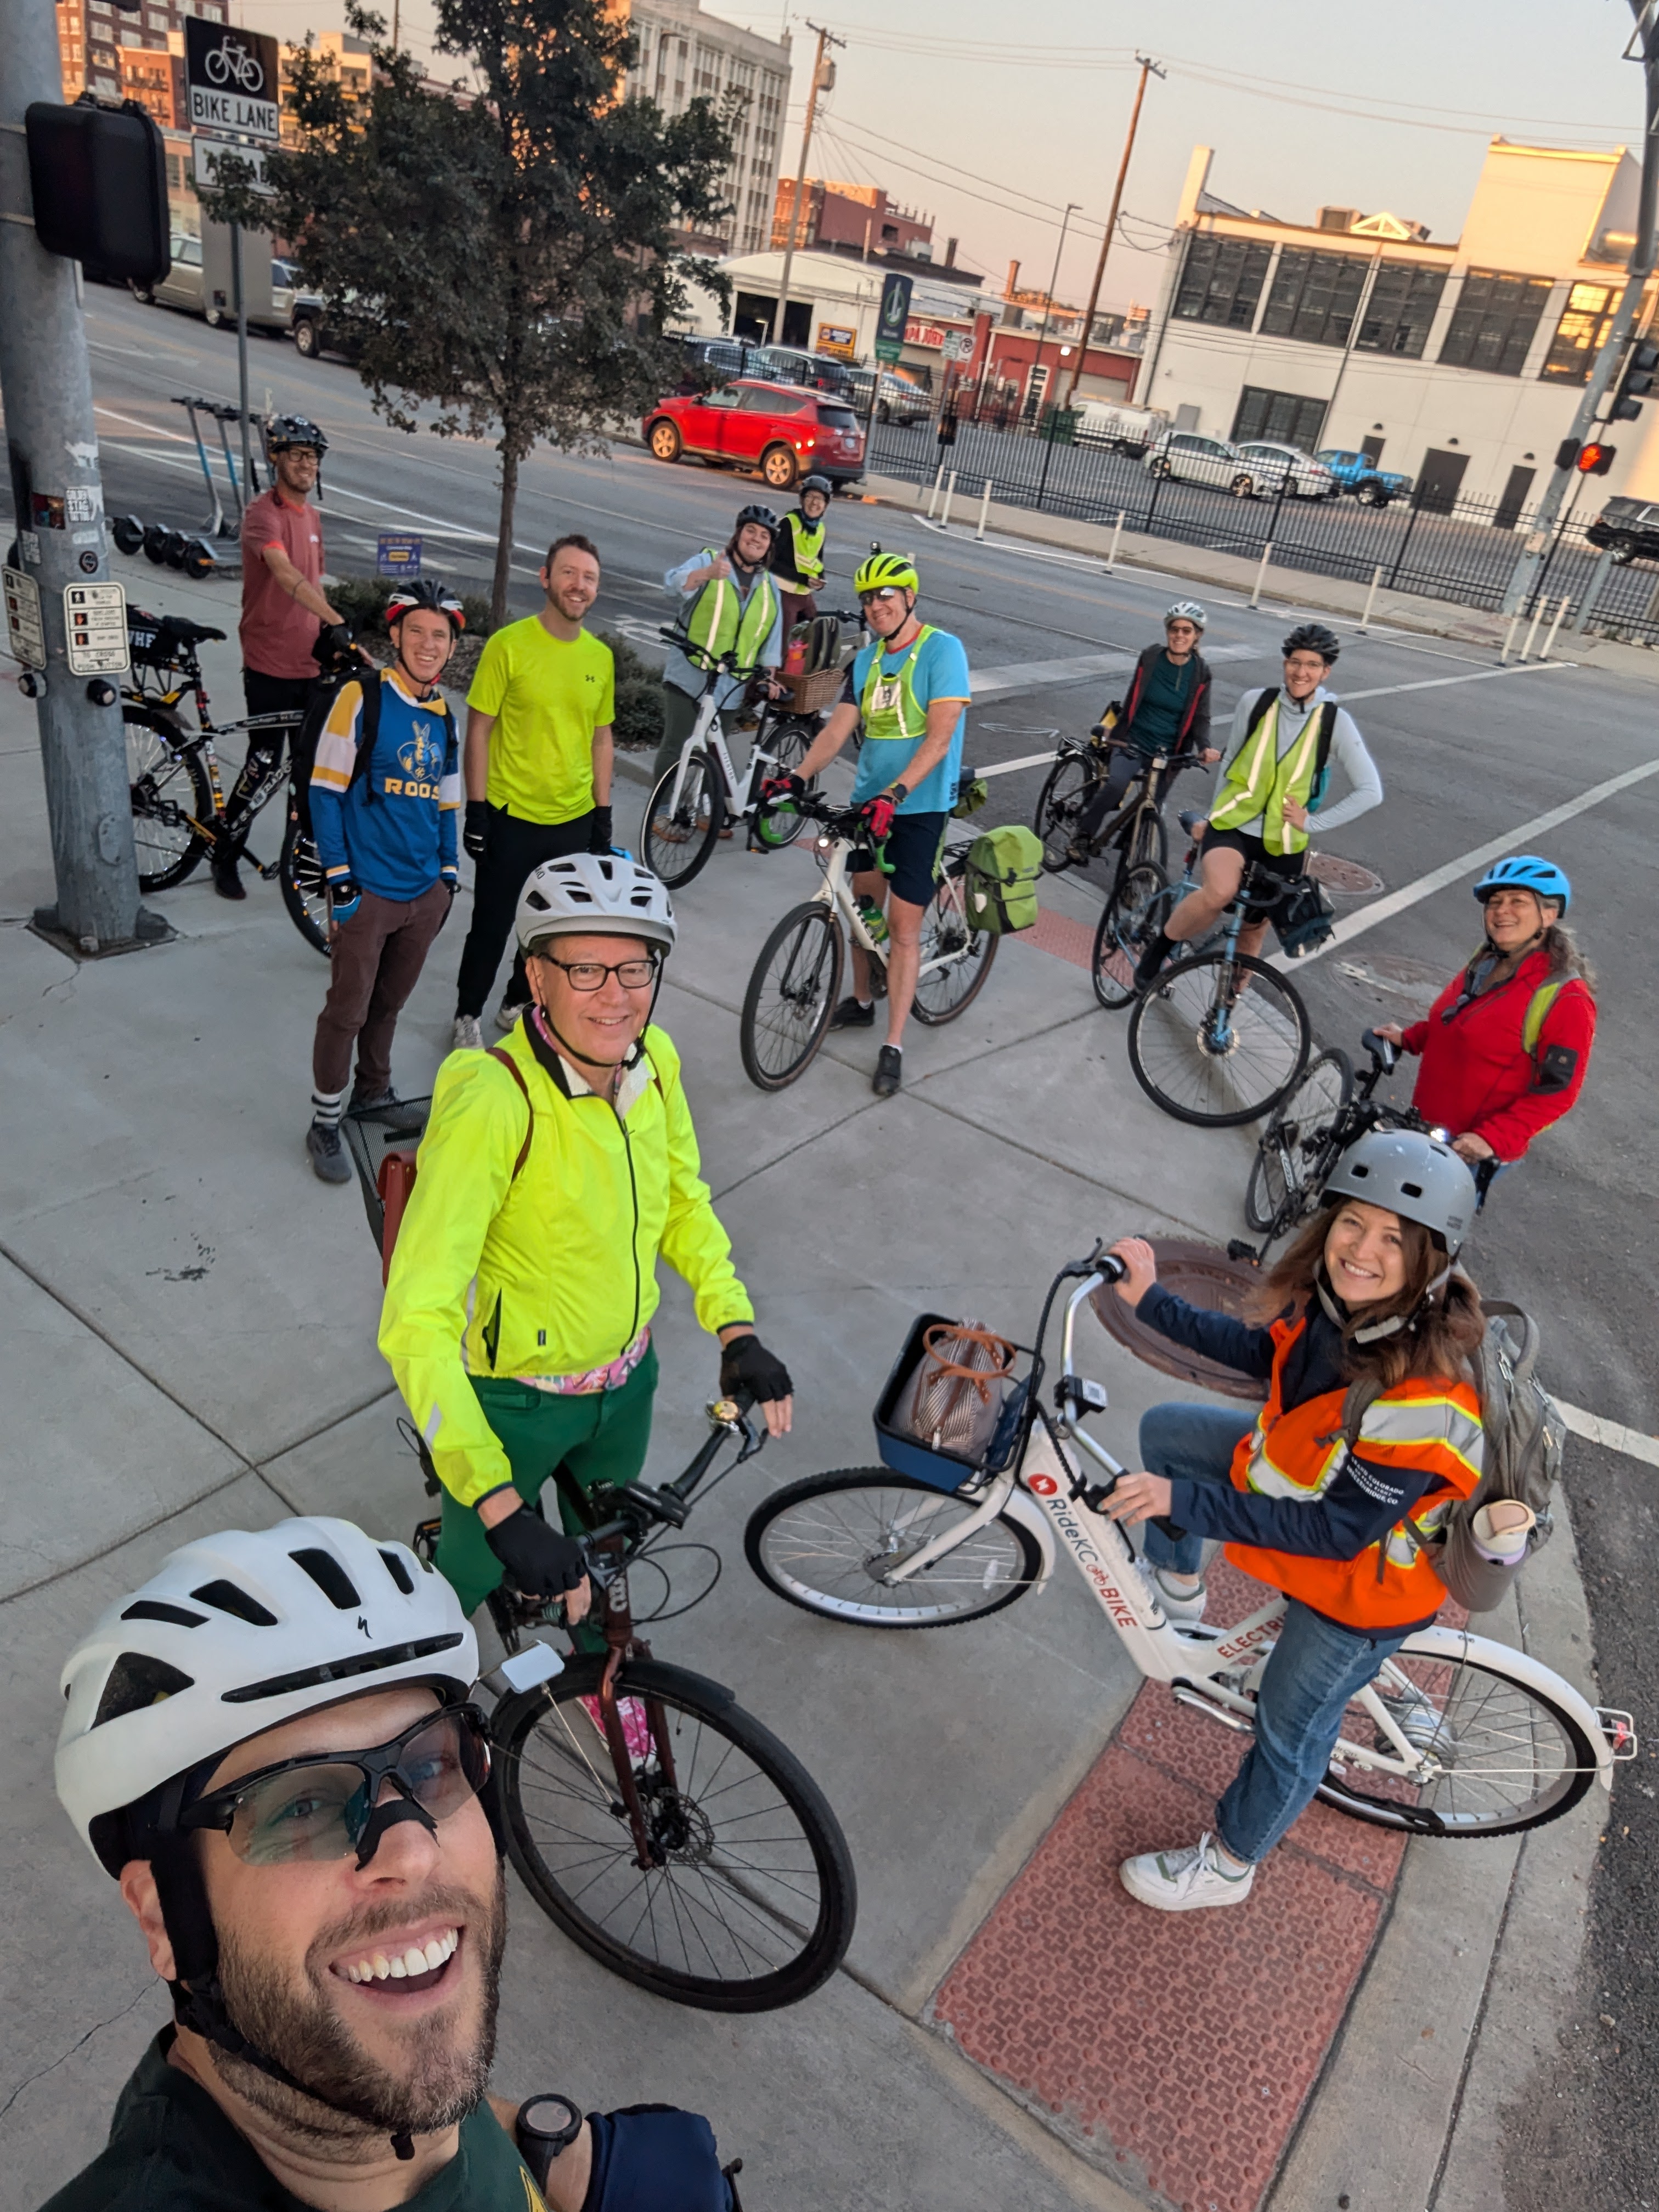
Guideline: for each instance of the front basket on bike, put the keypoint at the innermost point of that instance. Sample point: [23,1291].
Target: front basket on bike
[906,1454]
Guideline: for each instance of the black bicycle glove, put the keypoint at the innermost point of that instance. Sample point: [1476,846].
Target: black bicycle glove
[474,823]
[598,833]
[538,1560]
[747,1364]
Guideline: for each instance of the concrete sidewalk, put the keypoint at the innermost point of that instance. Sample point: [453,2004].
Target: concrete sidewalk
[191,1344]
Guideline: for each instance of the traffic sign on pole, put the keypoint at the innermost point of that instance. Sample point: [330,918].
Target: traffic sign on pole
[210,152]
[894,315]
[232,80]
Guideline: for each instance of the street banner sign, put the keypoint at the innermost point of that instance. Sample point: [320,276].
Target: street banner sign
[25,632]
[894,315]
[95,629]
[232,77]
[840,339]
[398,555]
[210,152]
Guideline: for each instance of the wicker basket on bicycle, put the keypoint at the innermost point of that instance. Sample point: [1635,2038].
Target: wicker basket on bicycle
[814,692]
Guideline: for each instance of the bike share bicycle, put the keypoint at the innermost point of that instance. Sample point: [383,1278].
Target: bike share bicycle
[1457,1737]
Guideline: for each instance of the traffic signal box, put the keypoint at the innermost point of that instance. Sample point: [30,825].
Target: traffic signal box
[1637,382]
[1595,460]
[98,176]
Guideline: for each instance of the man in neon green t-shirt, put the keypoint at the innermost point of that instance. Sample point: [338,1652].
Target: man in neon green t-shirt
[537,768]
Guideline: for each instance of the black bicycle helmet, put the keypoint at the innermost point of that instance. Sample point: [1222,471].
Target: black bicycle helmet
[1313,637]
[763,515]
[815,483]
[286,431]
[425,591]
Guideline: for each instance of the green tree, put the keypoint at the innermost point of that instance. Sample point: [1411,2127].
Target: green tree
[503,251]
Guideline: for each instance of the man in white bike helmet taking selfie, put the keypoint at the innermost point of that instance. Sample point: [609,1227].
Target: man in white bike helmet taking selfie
[554,1171]
[271,1747]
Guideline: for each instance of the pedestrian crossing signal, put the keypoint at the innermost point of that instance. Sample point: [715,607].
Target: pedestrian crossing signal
[1595,460]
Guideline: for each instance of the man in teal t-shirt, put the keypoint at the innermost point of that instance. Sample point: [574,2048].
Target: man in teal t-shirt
[910,690]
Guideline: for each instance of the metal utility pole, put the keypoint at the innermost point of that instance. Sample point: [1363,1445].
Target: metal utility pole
[820,83]
[1071,208]
[45,384]
[1529,566]
[1148,67]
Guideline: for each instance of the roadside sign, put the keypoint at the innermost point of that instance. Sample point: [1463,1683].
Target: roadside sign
[24,633]
[840,339]
[396,555]
[959,345]
[210,152]
[232,77]
[95,629]
[894,315]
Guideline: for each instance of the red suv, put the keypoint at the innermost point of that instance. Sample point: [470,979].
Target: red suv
[776,428]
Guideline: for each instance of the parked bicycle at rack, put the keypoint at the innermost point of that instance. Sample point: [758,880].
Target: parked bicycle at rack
[1458,1735]
[797,978]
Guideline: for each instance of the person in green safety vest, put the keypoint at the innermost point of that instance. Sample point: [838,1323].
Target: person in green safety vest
[797,552]
[731,603]
[1271,793]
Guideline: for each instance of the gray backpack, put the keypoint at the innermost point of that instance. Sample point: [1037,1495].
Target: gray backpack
[1525,1437]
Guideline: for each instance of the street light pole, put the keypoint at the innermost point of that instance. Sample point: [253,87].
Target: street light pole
[1148,67]
[826,39]
[1527,568]
[1071,208]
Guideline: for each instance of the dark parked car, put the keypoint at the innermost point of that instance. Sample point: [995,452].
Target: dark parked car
[311,334]
[777,429]
[1629,528]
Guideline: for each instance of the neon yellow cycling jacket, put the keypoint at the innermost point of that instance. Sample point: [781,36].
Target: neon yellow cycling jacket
[551,1271]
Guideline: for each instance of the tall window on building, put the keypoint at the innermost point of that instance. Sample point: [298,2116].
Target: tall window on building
[1401,308]
[1315,296]
[1585,323]
[1285,418]
[1221,282]
[1493,322]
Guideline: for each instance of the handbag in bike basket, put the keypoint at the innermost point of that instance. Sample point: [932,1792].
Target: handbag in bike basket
[942,1418]
[1304,918]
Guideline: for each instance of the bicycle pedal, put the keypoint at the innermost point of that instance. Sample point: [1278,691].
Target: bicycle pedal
[1240,1248]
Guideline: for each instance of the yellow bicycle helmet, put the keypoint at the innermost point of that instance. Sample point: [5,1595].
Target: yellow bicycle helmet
[883,570]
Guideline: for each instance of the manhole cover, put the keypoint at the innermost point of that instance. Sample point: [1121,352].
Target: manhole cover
[1401,978]
[1204,1276]
[1346,878]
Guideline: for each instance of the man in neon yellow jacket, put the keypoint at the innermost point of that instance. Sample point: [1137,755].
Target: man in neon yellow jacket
[552,1173]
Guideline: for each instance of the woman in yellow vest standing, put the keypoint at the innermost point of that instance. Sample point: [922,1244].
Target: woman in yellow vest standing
[1271,793]
[1368,1293]
[732,604]
[798,556]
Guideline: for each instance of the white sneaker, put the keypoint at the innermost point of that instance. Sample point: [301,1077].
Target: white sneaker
[1184,1880]
[1183,1608]
[466,1035]
[510,1012]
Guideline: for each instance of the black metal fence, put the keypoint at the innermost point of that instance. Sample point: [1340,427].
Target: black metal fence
[1465,552]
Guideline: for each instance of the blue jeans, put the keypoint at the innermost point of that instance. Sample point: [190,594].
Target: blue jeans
[1316,1664]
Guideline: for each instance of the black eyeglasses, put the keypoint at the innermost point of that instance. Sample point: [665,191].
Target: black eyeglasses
[589,975]
[320,1808]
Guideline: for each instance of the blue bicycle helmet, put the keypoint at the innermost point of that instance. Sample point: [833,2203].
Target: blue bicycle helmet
[1526,871]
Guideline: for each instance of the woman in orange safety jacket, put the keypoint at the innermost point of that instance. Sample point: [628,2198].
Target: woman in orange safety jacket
[1367,1291]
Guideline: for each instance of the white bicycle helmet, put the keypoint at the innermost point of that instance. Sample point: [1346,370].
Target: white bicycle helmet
[595,895]
[233,1635]
[1186,610]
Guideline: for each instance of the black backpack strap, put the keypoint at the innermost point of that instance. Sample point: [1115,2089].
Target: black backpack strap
[1327,714]
[368,728]
[517,1074]
[1259,710]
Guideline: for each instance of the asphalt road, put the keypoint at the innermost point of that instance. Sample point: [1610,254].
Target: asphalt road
[1466,755]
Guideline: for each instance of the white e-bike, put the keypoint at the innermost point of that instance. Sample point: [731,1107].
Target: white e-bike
[1457,1735]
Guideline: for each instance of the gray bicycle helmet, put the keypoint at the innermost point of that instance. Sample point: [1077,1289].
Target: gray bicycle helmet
[1415,1176]
[1313,637]
[763,515]
[815,483]
[1186,610]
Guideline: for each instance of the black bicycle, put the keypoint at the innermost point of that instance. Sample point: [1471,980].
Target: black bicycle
[1313,1125]
[1135,832]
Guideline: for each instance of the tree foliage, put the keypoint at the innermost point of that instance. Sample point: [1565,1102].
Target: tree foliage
[501,253]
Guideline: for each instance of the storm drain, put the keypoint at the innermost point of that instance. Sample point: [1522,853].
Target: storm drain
[1345,878]
[1204,1276]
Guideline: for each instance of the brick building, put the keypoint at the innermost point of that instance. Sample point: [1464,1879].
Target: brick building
[858,216]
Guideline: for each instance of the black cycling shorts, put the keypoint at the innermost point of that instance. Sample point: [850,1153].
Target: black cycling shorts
[1287,865]
[914,845]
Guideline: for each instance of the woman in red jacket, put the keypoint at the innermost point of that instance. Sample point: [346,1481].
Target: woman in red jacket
[1506,1044]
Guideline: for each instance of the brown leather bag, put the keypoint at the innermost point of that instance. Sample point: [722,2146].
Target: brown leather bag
[960,1381]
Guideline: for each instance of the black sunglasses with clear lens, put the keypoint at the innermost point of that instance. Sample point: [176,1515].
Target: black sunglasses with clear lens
[320,1808]
[589,975]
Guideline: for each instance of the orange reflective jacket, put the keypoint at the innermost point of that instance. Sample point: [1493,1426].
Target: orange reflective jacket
[1428,1424]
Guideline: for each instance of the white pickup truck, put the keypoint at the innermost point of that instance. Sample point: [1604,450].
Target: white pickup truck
[1125,429]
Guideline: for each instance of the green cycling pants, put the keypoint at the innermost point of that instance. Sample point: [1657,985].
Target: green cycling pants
[600,1437]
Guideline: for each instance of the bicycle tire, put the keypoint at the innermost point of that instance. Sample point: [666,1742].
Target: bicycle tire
[788,741]
[676,847]
[1282,1174]
[1121,932]
[808,942]
[1170,1034]
[1068,784]
[1529,1717]
[1152,841]
[168,852]
[795,1897]
[997,1566]
[299,873]
[945,930]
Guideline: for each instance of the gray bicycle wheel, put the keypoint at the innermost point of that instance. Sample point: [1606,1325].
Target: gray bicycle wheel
[1068,787]
[1140,900]
[948,937]
[1287,1172]
[675,842]
[1218,1039]
[790,996]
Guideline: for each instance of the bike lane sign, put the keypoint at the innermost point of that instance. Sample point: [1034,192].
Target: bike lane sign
[231,78]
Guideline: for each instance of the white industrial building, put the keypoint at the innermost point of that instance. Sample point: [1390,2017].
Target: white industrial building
[684,52]
[834,303]
[1460,362]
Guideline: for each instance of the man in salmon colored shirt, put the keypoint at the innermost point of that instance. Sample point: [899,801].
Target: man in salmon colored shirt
[283,605]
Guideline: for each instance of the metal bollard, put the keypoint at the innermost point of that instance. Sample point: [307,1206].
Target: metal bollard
[1262,573]
[1117,532]
[1371,600]
[1509,639]
[1560,613]
[984,512]
[1532,628]
[933,496]
[949,494]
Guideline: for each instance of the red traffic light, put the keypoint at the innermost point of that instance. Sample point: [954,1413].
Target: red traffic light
[1595,460]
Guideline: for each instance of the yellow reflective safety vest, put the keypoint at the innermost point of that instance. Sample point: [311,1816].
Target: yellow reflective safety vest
[551,1271]
[806,547]
[890,708]
[720,619]
[1258,782]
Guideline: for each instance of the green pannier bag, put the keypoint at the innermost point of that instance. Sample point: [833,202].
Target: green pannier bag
[1003,868]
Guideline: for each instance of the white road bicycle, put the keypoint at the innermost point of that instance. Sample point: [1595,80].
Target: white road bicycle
[797,978]
[1457,1737]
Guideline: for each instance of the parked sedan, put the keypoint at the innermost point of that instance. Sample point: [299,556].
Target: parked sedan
[1630,527]
[897,400]
[778,430]
[1195,459]
[1302,476]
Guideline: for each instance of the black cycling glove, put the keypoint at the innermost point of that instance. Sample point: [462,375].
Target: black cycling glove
[538,1560]
[747,1364]
[599,834]
[474,823]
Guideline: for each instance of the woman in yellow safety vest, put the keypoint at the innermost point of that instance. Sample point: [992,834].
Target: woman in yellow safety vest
[1270,792]
[798,554]
[732,604]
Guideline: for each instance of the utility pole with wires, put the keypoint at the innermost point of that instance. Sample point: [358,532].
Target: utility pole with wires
[1148,67]
[1072,207]
[823,80]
